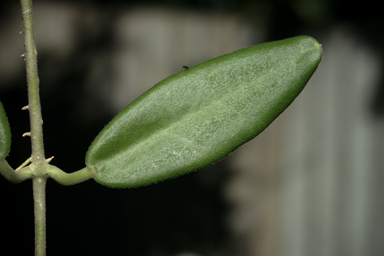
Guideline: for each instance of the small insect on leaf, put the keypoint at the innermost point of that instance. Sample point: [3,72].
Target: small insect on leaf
[192,119]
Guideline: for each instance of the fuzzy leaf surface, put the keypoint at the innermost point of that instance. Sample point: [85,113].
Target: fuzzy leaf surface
[199,115]
[5,134]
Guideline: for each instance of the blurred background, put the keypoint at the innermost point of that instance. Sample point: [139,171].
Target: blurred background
[311,184]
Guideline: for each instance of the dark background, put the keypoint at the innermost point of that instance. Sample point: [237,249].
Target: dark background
[182,214]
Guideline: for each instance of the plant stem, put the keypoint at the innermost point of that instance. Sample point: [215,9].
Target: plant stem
[39,165]
[12,175]
[33,85]
[40,225]
[68,179]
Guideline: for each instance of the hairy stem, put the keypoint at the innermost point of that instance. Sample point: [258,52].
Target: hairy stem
[39,165]
[33,85]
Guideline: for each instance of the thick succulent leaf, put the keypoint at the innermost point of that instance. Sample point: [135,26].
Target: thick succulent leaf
[5,134]
[201,114]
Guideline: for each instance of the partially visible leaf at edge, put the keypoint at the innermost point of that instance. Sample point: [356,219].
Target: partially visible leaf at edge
[198,116]
[5,134]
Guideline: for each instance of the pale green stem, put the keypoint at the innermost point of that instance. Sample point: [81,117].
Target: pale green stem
[13,176]
[33,85]
[40,225]
[68,179]
[39,165]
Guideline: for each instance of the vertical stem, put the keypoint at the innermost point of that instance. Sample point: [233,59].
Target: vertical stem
[33,84]
[40,226]
[38,165]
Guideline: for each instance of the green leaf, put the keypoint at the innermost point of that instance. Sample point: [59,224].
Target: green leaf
[5,134]
[199,115]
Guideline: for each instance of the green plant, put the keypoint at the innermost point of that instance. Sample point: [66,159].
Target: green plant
[185,122]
